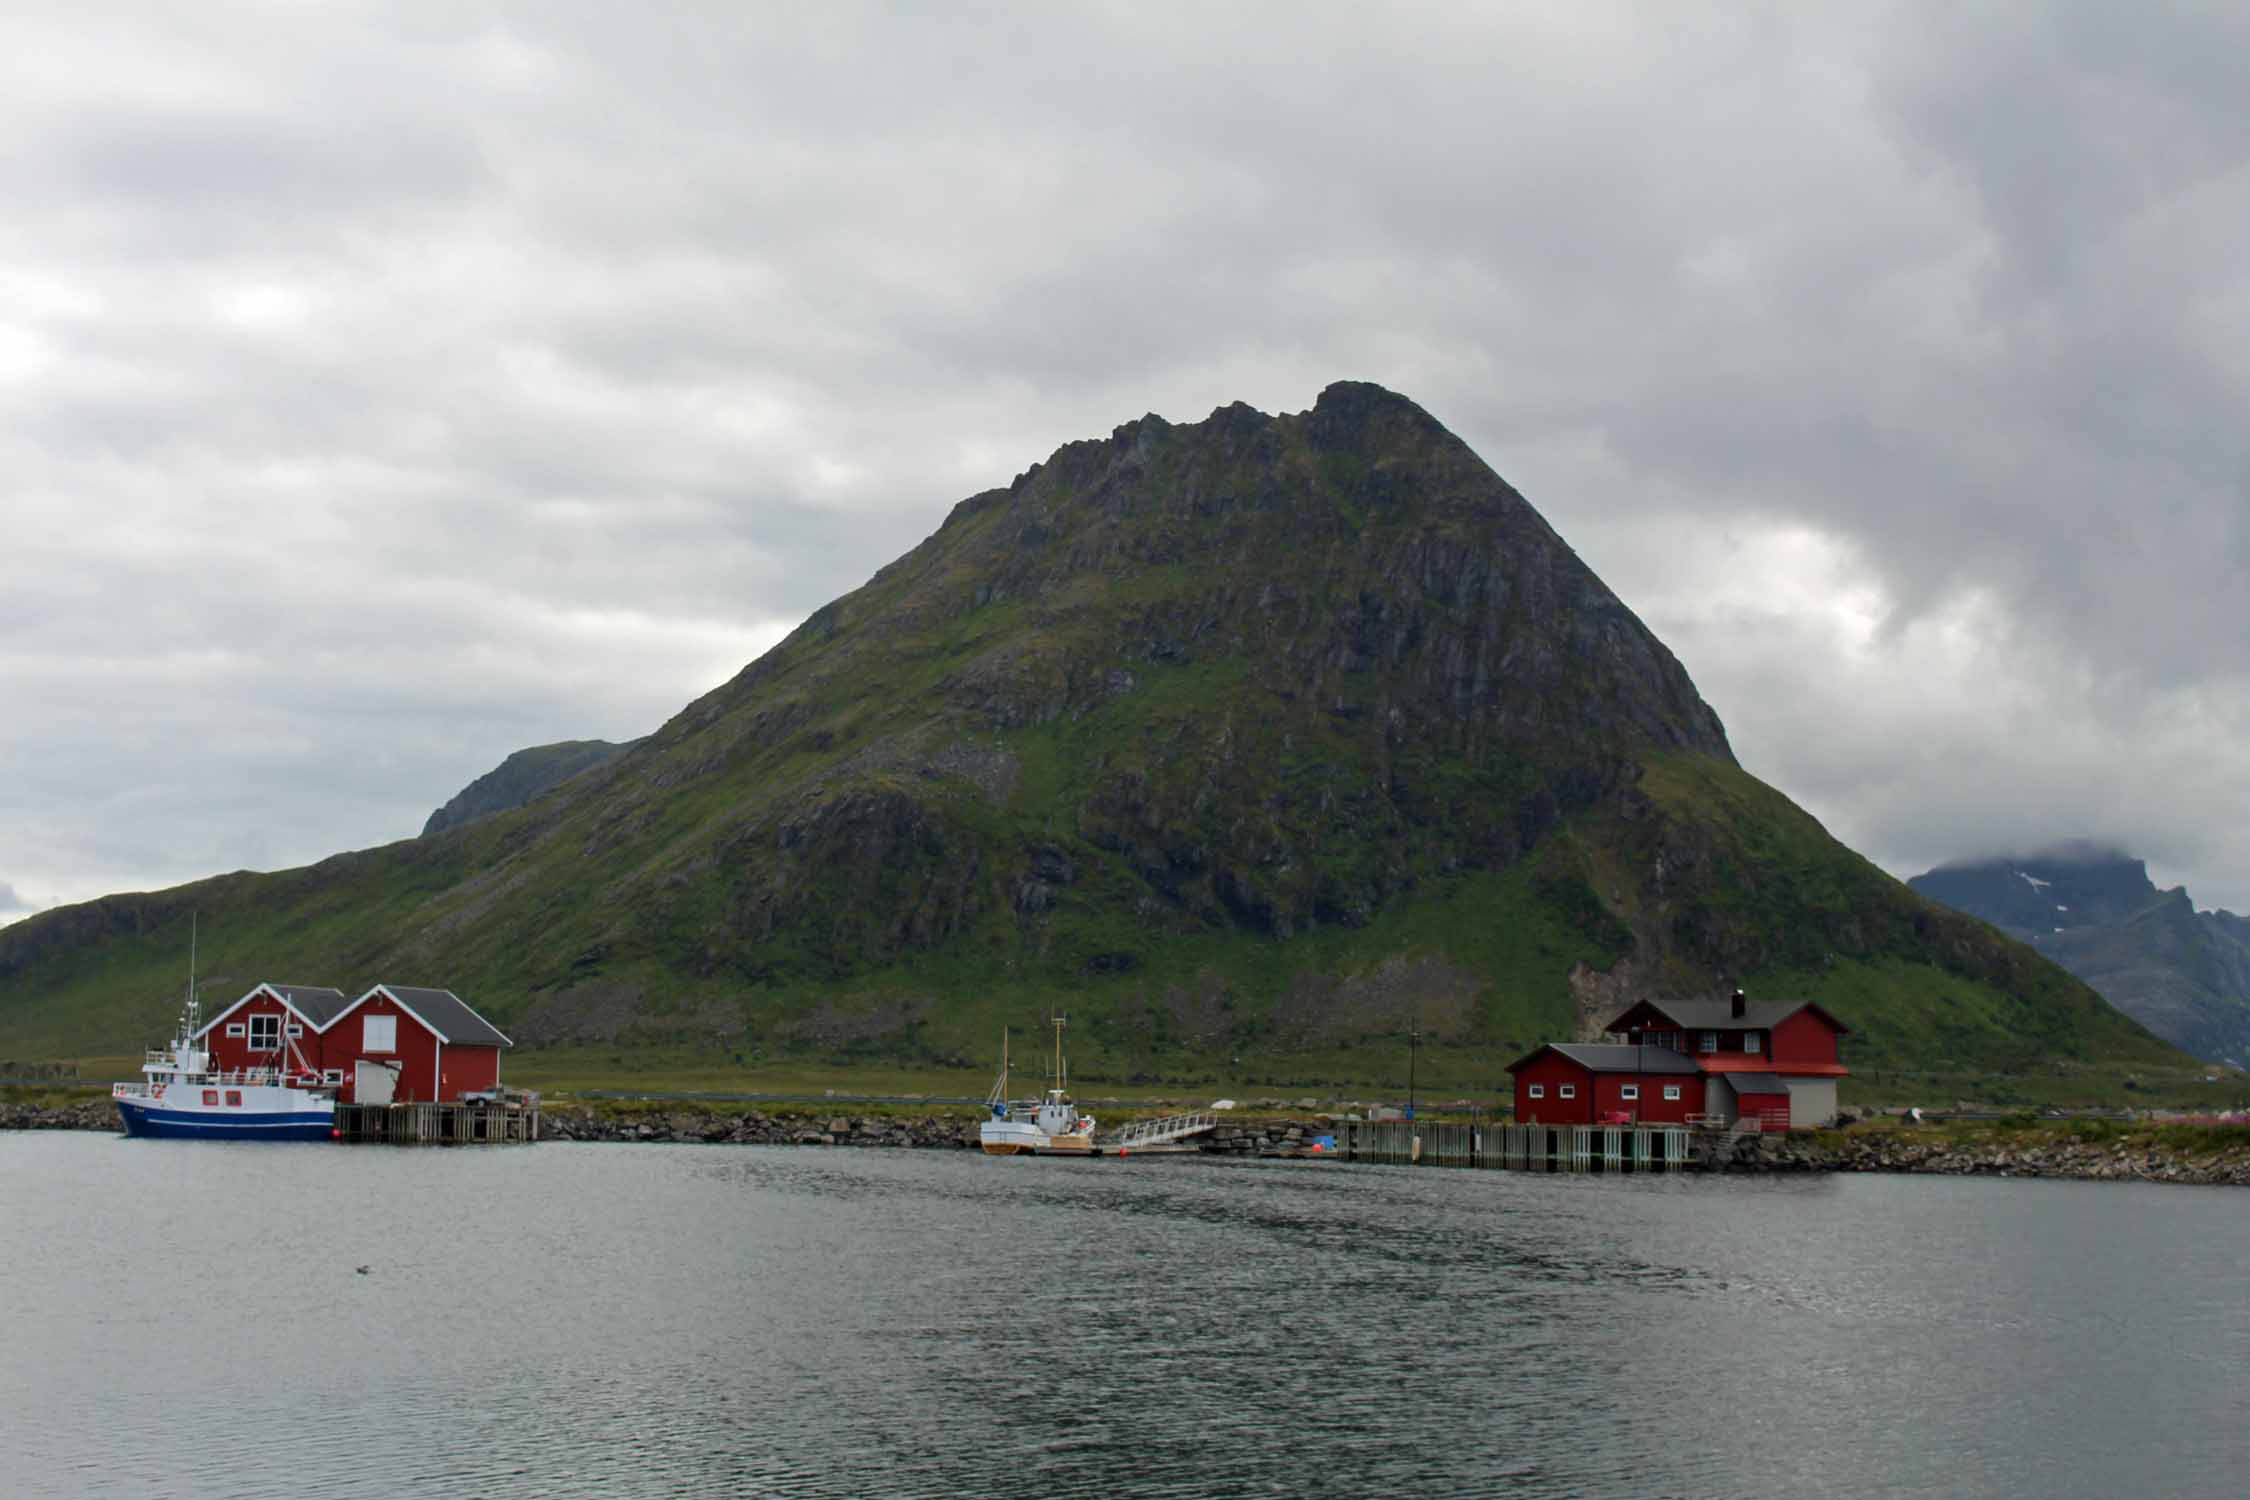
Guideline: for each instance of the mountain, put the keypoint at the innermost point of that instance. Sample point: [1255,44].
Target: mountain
[1252,743]
[521,777]
[2183,974]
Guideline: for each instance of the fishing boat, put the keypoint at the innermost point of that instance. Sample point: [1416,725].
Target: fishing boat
[182,1097]
[1048,1126]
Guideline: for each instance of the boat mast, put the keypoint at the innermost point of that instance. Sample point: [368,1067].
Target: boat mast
[187,1008]
[1061,1084]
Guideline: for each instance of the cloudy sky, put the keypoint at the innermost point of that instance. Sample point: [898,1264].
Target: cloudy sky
[387,388]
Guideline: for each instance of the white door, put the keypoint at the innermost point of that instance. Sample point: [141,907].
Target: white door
[371,1083]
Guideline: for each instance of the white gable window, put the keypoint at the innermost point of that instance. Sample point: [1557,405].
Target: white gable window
[265,1033]
[1629,1091]
[1752,1041]
[1567,1091]
[1537,1091]
[296,1028]
[379,1035]
[236,1028]
[1671,1091]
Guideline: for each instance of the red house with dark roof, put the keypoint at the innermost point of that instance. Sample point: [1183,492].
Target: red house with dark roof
[274,1026]
[396,1044]
[400,1044]
[1719,1060]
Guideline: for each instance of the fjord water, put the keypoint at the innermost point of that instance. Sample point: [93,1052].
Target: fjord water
[190,1319]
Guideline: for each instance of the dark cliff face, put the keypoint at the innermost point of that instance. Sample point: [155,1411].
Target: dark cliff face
[1277,668]
[2183,974]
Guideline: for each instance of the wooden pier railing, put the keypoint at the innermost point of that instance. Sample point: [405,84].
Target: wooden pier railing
[1533,1148]
[468,1123]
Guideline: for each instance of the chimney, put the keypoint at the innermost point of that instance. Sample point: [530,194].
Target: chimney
[1737,1005]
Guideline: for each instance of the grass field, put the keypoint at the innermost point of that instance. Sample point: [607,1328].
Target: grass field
[1441,1077]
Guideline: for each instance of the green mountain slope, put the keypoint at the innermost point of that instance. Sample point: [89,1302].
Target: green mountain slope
[1252,743]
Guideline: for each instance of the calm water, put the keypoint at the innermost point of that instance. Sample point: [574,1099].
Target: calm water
[186,1319]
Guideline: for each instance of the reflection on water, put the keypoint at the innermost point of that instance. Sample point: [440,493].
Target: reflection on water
[655,1320]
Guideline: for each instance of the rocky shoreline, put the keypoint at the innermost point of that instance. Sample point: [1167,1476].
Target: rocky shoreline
[2120,1158]
[2115,1160]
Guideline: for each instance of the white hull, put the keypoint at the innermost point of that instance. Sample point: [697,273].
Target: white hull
[1014,1137]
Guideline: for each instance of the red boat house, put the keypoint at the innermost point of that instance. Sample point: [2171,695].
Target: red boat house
[1690,1062]
[395,1044]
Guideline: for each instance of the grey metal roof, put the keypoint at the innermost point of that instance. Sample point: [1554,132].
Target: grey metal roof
[316,1003]
[446,1014]
[1718,1015]
[1755,1083]
[1624,1057]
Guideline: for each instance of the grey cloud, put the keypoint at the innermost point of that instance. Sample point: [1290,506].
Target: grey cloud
[457,380]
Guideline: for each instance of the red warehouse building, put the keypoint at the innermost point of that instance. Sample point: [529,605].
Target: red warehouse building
[274,1026]
[1719,1060]
[1588,1083]
[398,1044]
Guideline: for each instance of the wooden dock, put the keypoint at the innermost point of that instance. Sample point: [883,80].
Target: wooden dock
[468,1123]
[1522,1148]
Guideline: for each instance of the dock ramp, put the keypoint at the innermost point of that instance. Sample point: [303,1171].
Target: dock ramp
[1139,1135]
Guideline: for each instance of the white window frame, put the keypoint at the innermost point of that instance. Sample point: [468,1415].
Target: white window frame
[375,1026]
[293,1028]
[1710,1041]
[1535,1091]
[236,1028]
[1566,1091]
[1630,1091]
[1671,1091]
[1751,1042]
[269,1024]
[332,1076]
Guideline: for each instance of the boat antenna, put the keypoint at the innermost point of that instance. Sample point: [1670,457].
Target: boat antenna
[194,922]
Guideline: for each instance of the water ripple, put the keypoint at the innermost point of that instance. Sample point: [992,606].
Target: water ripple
[666,1320]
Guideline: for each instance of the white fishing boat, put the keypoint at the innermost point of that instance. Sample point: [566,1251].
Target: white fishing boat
[1048,1126]
[182,1097]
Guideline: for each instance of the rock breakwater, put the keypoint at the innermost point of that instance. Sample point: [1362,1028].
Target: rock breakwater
[2120,1158]
[91,1114]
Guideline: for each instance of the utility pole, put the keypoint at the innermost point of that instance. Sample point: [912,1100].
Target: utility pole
[1413,1045]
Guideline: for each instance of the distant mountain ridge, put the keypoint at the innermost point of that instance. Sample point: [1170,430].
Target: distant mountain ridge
[521,777]
[1256,744]
[2183,974]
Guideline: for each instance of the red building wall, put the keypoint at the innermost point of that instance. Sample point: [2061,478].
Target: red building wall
[229,1053]
[1805,1043]
[1763,1105]
[465,1070]
[1652,1108]
[1552,1070]
[417,1051]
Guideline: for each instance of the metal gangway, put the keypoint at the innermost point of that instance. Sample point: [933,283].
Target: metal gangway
[1139,1135]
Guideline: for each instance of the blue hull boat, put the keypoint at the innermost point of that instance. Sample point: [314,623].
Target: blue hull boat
[158,1123]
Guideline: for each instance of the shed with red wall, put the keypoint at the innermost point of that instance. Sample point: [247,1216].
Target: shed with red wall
[439,1049]
[292,1014]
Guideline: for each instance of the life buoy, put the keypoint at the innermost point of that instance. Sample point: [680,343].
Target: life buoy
[156,1092]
